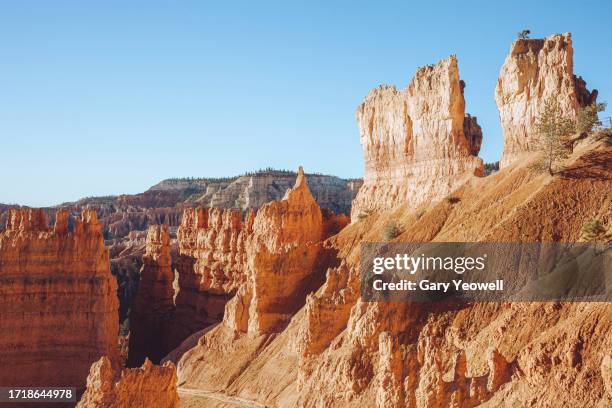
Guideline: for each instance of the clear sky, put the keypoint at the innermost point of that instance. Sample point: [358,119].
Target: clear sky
[112,97]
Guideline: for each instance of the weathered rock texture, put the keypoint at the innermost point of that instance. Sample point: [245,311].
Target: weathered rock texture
[224,254]
[534,71]
[255,189]
[338,351]
[285,261]
[414,140]
[211,265]
[152,312]
[124,217]
[58,303]
[146,386]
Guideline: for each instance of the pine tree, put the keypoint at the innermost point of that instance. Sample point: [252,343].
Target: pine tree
[552,129]
[523,35]
[588,119]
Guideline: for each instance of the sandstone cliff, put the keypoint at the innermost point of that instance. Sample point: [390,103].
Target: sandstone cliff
[124,217]
[211,265]
[418,144]
[256,190]
[58,299]
[146,386]
[339,351]
[535,70]
[225,255]
[284,262]
[152,312]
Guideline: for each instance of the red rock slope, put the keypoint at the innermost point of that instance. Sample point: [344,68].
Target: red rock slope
[338,351]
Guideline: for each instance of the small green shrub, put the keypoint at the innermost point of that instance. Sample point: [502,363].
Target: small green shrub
[593,230]
[364,215]
[124,328]
[490,168]
[391,230]
[453,200]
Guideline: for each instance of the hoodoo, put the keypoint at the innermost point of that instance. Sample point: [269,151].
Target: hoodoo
[418,143]
[145,386]
[151,314]
[58,299]
[535,70]
[284,261]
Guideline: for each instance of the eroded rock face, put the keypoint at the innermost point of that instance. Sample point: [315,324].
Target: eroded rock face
[152,312]
[340,351]
[417,143]
[285,261]
[225,254]
[58,299]
[254,190]
[146,386]
[534,71]
[211,265]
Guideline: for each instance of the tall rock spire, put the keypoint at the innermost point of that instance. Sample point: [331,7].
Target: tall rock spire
[535,70]
[416,142]
[151,314]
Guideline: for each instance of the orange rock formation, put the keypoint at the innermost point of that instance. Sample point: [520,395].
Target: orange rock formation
[284,262]
[58,299]
[152,312]
[211,265]
[418,144]
[292,329]
[338,351]
[225,256]
[535,70]
[146,386]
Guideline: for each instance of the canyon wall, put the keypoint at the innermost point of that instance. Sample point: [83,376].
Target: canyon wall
[535,70]
[339,351]
[152,312]
[252,190]
[123,218]
[211,265]
[58,299]
[417,142]
[224,254]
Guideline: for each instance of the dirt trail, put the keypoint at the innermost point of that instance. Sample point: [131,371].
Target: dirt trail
[220,397]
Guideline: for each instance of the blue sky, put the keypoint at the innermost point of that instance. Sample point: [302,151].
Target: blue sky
[113,97]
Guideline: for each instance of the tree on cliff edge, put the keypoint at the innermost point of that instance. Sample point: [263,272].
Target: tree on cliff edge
[552,129]
[523,35]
